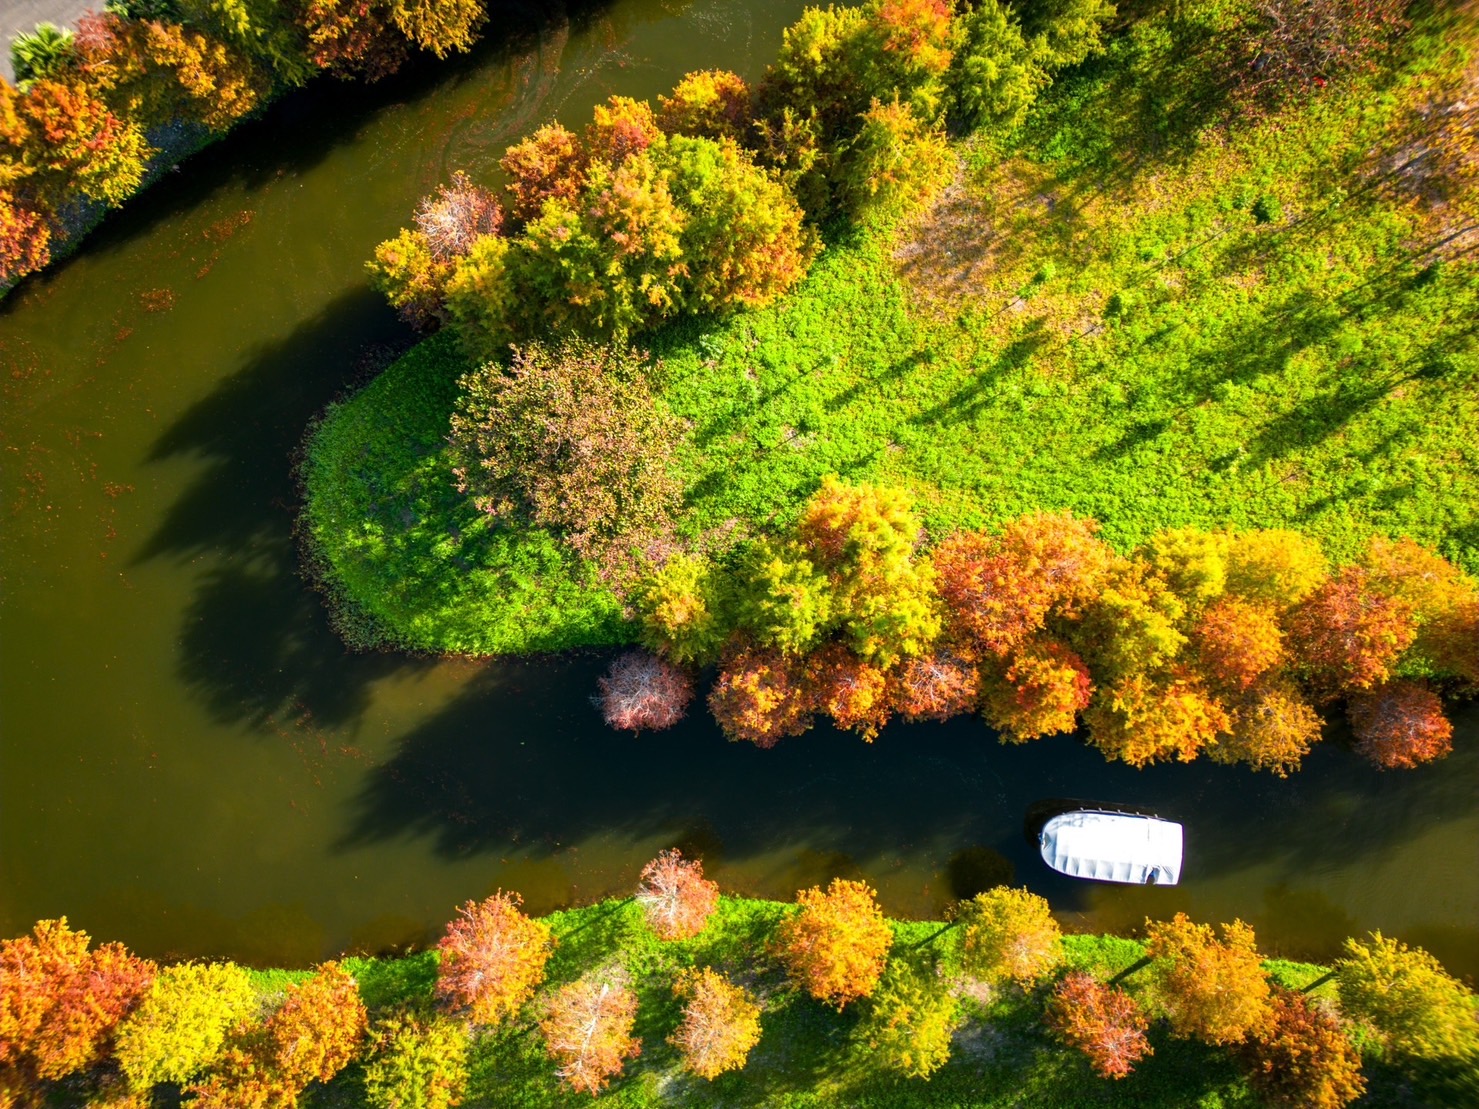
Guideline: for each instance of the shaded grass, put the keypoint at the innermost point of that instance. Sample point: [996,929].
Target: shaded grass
[1133,313]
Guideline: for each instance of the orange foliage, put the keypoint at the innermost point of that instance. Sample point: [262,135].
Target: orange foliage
[1009,934]
[936,687]
[1213,989]
[1302,1057]
[549,164]
[836,945]
[25,238]
[1104,1023]
[621,127]
[65,141]
[854,693]
[759,696]
[992,602]
[588,1028]
[1400,724]
[721,1023]
[1349,633]
[1444,602]
[492,958]
[1273,728]
[59,1002]
[676,897]
[353,38]
[1274,567]
[1236,641]
[1140,720]
[1042,692]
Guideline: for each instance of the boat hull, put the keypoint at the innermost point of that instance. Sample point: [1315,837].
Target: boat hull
[1103,846]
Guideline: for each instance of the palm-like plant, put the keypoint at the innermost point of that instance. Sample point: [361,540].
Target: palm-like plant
[44,52]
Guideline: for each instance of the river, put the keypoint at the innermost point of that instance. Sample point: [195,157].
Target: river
[191,763]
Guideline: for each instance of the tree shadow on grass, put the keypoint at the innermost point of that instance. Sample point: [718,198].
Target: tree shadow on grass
[256,646]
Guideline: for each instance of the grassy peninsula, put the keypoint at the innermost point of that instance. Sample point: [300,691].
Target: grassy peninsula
[1135,307]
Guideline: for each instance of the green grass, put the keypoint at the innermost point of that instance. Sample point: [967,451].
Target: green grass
[808,1054]
[1144,316]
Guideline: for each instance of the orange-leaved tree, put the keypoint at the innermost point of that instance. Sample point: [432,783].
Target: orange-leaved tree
[675,896]
[721,1023]
[760,696]
[1141,720]
[492,958]
[1302,1057]
[711,103]
[61,1002]
[1008,935]
[587,1027]
[1349,633]
[1237,641]
[1212,988]
[836,943]
[855,693]
[1399,724]
[1273,726]
[1105,1023]
[1045,686]
[936,687]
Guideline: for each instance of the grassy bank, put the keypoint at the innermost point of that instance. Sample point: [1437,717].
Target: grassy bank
[1130,309]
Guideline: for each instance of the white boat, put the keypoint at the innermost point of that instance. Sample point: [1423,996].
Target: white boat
[1113,847]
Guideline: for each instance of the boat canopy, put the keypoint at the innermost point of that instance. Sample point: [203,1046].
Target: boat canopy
[1113,847]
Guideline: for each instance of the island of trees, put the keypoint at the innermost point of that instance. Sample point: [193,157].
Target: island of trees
[677,991]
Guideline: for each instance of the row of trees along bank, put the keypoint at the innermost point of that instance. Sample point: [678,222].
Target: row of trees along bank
[104,1024]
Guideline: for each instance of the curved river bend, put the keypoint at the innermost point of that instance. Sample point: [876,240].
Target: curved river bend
[192,764]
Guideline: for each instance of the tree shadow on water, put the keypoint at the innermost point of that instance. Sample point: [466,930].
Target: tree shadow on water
[256,645]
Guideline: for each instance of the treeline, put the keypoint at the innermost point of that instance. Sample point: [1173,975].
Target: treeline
[118,1028]
[707,203]
[90,108]
[1196,642]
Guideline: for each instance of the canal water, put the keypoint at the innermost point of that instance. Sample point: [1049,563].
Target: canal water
[190,761]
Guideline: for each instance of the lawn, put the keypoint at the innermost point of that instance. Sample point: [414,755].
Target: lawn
[1139,307]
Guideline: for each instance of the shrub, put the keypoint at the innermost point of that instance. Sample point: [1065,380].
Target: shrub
[910,1020]
[1213,989]
[572,438]
[411,278]
[1008,935]
[1104,1023]
[587,1027]
[894,165]
[45,52]
[835,945]
[418,1062]
[492,958]
[721,1023]
[1417,1008]
[1400,724]
[675,896]
[643,691]
[181,1024]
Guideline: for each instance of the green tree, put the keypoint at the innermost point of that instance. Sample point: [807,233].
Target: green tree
[45,52]
[995,78]
[911,1018]
[682,607]
[418,1063]
[894,165]
[1065,32]
[181,1025]
[782,598]
[1417,1007]
[1008,935]
[261,29]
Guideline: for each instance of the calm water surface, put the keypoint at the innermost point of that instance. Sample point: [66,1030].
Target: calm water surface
[191,762]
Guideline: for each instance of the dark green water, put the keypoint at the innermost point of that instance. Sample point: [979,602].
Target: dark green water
[191,763]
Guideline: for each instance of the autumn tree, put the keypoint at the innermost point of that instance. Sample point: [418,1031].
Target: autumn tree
[894,165]
[1065,32]
[492,958]
[417,1061]
[1302,1057]
[1008,935]
[182,1022]
[759,696]
[265,30]
[856,694]
[1349,634]
[1134,626]
[61,1002]
[1104,1023]
[1283,47]
[995,77]
[1415,1006]
[1192,563]
[819,68]
[721,1023]
[676,898]
[571,438]
[642,691]
[1444,602]
[410,277]
[1236,642]
[711,103]
[936,687]
[1274,567]
[910,44]
[25,238]
[1399,724]
[1142,720]
[548,165]
[783,599]
[1212,987]
[1272,727]
[910,1020]
[1043,689]
[620,128]
[458,215]
[836,943]
[440,26]
[354,38]
[681,608]
[65,141]
[587,1028]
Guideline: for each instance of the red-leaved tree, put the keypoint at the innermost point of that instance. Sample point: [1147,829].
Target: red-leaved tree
[675,896]
[1349,633]
[1103,1022]
[644,691]
[1237,641]
[936,687]
[853,692]
[492,958]
[1400,724]
[587,1028]
[549,164]
[1302,1057]
[1044,689]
